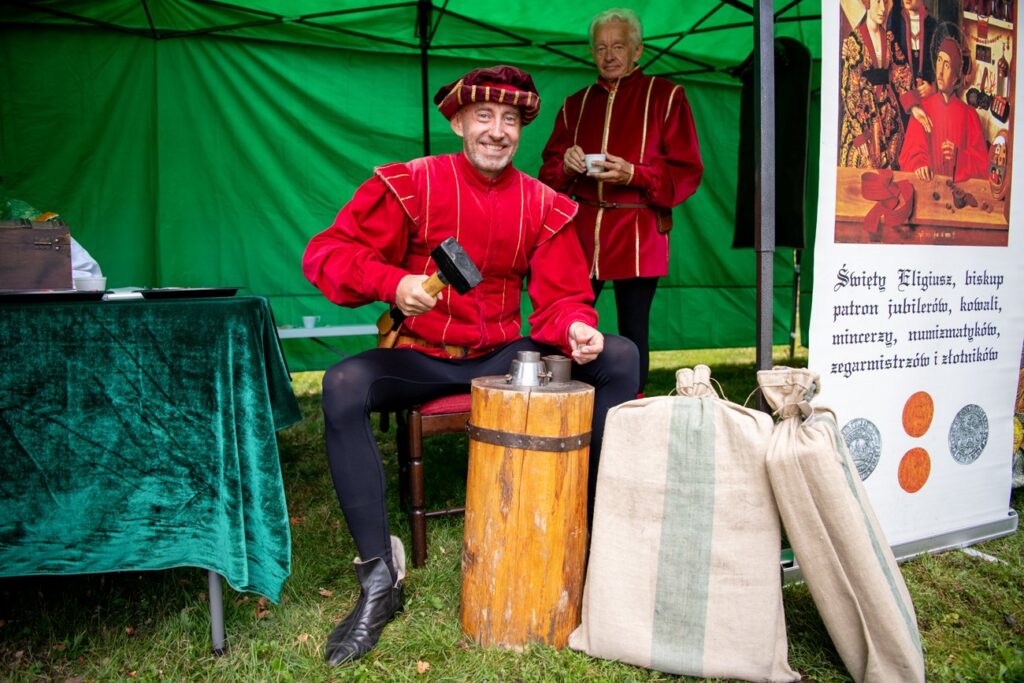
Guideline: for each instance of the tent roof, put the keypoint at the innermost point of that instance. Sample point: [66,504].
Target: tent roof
[703,39]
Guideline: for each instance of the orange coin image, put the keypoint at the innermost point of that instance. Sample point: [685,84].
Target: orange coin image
[918,413]
[915,467]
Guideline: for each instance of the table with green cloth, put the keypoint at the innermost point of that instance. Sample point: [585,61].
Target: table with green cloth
[140,435]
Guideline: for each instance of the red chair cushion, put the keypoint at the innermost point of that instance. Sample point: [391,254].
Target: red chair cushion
[458,403]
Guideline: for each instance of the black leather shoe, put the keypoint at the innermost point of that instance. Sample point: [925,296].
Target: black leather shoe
[380,598]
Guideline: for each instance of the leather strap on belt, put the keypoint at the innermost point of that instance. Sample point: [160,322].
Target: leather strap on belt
[664,215]
[895,201]
[451,350]
[614,205]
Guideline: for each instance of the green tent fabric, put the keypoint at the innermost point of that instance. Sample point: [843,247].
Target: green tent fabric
[201,143]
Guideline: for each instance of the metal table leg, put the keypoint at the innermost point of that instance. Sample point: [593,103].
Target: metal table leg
[216,613]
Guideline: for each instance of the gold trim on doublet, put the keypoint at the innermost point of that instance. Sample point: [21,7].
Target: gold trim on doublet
[647,108]
[579,118]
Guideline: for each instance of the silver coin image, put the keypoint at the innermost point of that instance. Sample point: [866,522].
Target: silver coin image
[968,434]
[865,444]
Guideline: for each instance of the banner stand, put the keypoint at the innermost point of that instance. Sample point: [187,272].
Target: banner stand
[952,540]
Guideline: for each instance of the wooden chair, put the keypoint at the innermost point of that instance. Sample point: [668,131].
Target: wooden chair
[446,415]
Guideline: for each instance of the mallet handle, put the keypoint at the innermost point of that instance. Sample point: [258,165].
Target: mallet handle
[391,320]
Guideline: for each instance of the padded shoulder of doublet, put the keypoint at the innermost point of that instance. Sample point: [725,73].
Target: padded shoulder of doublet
[399,179]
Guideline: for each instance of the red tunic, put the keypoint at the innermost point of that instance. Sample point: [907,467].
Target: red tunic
[510,226]
[647,121]
[953,121]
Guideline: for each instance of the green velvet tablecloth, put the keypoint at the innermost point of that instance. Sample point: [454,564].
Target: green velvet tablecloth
[141,435]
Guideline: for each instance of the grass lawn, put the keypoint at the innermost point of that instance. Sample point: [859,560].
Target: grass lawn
[154,626]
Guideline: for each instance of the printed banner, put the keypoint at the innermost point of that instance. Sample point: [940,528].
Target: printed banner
[917,320]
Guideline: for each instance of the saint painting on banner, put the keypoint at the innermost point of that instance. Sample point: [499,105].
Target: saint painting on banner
[926,107]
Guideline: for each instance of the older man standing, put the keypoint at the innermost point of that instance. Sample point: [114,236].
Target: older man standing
[644,127]
[513,228]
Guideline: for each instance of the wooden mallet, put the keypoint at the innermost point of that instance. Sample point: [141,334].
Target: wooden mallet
[454,267]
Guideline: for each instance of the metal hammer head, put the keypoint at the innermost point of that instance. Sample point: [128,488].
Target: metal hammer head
[455,266]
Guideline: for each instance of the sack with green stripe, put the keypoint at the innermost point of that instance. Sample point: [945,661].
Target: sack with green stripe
[838,542]
[683,574]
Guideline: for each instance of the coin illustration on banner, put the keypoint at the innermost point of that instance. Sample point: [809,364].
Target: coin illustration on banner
[968,434]
[917,414]
[915,466]
[865,444]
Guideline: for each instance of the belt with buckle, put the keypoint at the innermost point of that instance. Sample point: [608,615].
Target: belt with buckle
[613,205]
[663,215]
[450,349]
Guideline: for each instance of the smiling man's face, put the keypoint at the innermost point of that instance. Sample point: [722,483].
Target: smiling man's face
[490,135]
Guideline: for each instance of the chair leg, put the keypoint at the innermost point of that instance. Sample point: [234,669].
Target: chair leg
[417,512]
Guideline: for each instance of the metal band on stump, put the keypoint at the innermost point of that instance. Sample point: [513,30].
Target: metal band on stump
[529,442]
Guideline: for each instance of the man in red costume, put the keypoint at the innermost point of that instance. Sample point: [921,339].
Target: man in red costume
[645,128]
[514,228]
[953,139]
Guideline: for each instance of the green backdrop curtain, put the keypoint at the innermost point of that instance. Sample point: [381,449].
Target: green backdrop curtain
[211,160]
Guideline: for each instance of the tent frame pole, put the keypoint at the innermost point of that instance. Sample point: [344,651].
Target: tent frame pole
[764,211]
[424,9]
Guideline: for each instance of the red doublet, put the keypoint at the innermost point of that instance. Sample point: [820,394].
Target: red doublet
[510,226]
[954,121]
[648,122]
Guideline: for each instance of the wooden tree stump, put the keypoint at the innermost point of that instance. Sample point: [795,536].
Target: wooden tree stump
[526,512]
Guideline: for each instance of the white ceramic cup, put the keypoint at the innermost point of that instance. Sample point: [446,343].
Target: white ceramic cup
[589,160]
[90,284]
[310,321]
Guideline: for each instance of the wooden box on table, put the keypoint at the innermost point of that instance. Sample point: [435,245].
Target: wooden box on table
[34,255]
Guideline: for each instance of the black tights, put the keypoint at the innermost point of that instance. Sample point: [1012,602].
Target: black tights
[633,299]
[391,379]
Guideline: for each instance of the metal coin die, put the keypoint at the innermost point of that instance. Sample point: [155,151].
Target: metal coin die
[550,373]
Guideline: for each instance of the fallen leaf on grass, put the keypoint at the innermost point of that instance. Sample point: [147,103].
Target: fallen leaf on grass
[326,593]
[129,631]
[951,618]
[133,674]
[19,654]
[422,667]
[303,637]
[261,609]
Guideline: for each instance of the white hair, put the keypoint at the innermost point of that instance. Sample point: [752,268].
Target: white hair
[636,31]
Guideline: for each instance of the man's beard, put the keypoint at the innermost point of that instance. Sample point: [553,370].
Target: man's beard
[490,163]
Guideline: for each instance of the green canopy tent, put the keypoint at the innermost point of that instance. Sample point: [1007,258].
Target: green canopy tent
[201,143]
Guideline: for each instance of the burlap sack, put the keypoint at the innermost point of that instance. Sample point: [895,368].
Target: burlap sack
[684,558]
[839,545]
